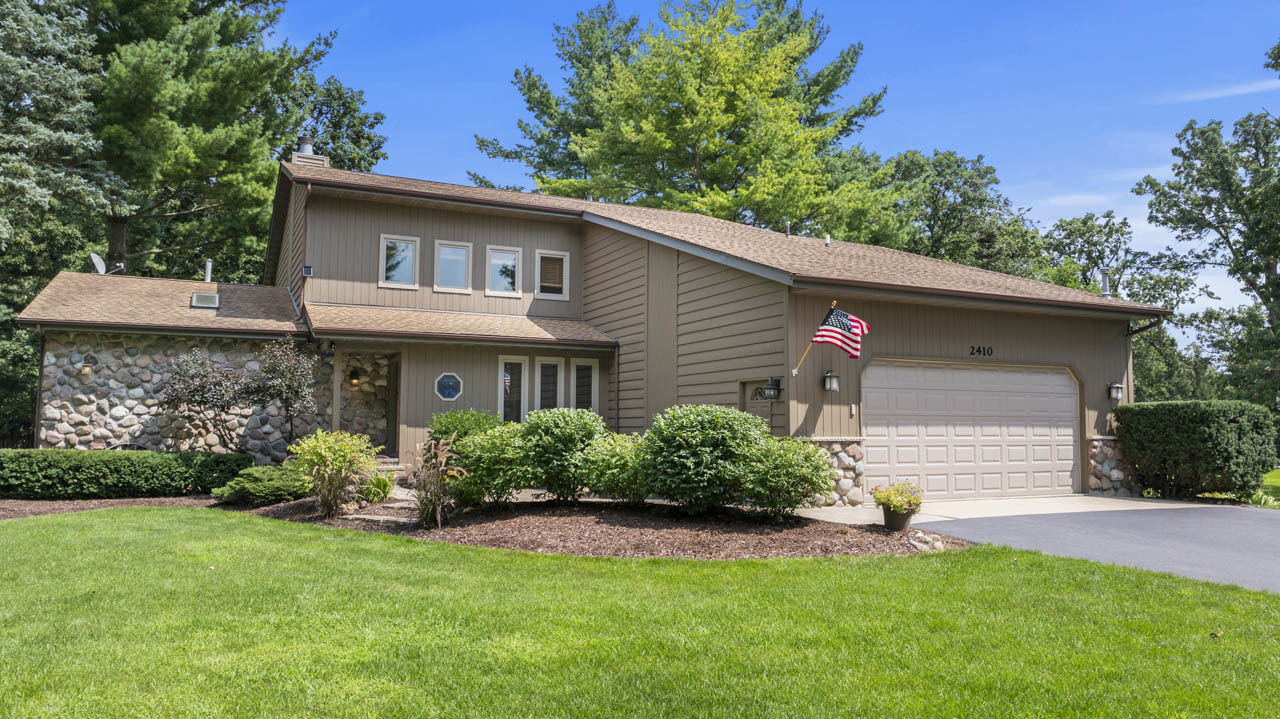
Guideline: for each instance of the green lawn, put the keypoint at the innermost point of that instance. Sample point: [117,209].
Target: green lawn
[202,613]
[1271,483]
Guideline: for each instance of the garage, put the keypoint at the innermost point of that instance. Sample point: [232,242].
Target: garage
[971,430]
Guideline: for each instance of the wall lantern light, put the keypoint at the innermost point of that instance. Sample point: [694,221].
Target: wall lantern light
[772,389]
[830,381]
[1116,390]
[354,376]
[86,367]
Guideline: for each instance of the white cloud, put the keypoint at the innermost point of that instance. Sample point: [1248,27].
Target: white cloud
[1248,88]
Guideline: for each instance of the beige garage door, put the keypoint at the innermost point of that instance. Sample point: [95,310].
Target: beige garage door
[964,431]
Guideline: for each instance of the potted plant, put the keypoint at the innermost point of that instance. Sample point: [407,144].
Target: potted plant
[899,501]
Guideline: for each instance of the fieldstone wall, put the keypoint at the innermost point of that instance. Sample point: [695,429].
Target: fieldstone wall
[1109,472]
[365,408]
[847,457]
[99,390]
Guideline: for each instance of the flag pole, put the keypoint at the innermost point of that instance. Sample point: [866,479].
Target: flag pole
[796,371]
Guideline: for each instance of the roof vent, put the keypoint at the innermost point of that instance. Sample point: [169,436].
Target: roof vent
[306,153]
[827,241]
[204,300]
[1106,282]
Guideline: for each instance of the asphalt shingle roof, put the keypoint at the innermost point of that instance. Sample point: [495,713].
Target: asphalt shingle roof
[327,319]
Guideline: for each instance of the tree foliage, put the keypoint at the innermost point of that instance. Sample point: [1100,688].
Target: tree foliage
[203,394]
[287,375]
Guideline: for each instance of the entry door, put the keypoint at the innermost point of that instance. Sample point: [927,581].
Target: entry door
[964,431]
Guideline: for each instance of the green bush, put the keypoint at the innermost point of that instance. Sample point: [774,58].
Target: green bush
[102,474]
[700,456]
[376,487]
[785,475]
[494,464]
[337,464]
[264,485]
[552,443]
[1183,449]
[461,423]
[611,466]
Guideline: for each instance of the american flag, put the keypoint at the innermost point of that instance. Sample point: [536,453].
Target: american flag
[843,330]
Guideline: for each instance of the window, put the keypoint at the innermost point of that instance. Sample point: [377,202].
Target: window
[399,262]
[584,387]
[453,267]
[448,386]
[503,272]
[512,402]
[553,275]
[550,391]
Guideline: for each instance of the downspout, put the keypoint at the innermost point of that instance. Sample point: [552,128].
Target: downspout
[306,212]
[35,410]
[1149,326]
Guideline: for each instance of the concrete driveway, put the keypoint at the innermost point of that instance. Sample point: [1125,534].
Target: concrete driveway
[1218,543]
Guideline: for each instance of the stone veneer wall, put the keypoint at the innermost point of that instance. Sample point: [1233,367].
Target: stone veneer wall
[365,402]
[846,456]
[117,400]
[1109,472]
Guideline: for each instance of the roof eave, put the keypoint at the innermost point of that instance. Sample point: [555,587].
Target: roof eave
[137,329]
[816,282]
[345,333]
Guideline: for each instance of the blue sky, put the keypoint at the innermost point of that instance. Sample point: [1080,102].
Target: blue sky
[1072,102]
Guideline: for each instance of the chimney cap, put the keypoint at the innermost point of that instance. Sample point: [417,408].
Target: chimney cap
[306,145]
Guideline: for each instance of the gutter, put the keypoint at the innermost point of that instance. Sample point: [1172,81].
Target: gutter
[1135,331]
[133,329]
[464,339]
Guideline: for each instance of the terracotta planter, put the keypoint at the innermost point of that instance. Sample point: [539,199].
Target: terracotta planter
[896,521]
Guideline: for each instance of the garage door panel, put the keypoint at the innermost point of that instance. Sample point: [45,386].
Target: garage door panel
[971,430]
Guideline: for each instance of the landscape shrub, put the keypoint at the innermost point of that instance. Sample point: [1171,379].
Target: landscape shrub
[264,485]
[611,466]
[786,474]
[434,475]
[552,444]
[376,487]
[700,456]
[461,423]
[337,464]
[102,474]
[1182,449]
[494,464]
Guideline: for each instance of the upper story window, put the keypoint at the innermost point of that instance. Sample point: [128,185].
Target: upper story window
[553,275]
[453,267]
[399,262]
[503,273]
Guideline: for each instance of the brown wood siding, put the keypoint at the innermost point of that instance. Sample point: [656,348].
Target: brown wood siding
[289,268]
[730,328]
[660,331]
[343,245]
[615,286]
[1095,350]
[477,366]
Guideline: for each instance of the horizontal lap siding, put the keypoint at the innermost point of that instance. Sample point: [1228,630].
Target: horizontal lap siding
[344,247]
[730,328]
[289,265]
[1095,350]
[614,301]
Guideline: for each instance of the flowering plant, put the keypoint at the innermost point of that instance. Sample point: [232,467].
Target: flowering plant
[901,497]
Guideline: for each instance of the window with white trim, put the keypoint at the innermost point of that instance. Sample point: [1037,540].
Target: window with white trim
[448,386]
[584,384]
[453,267]
[552,275]
[549,391]
[398,262]
[513,398]
[502,271]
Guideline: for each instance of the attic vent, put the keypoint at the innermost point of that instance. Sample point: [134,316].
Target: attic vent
[204,300]
[299,158]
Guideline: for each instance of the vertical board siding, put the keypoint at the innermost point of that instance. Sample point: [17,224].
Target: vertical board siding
[614,301]
[1094,350]
[477,366]
[730,328]
[289,264]
[344,246]
[660,331]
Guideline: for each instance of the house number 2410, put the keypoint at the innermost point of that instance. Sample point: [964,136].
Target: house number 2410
[981,350]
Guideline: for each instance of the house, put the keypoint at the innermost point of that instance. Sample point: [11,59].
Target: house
[425,297]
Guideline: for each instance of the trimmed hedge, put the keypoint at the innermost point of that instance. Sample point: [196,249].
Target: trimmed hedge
[1183,449]
[264,485]
[104,474]
[611,467]
[553,442]
[700,456]
[785,475]
[494,461]
[462,423]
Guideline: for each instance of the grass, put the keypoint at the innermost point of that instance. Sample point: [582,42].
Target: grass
[200,613]
[1271,483]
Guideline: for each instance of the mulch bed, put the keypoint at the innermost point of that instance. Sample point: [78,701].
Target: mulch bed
[601,529]
[15,508]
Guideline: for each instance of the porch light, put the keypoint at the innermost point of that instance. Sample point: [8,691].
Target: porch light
[830,381]
[354,375]
[772,388]
[1116,390]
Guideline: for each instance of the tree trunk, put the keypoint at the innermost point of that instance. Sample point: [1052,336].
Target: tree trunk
[117,241]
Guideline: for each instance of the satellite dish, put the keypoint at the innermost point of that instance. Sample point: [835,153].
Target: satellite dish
[98,264]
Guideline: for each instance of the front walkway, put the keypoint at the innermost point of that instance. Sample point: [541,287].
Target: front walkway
[1217,543]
